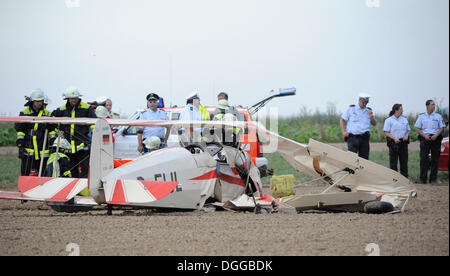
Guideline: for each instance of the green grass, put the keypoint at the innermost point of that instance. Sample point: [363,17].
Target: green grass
[7,134]
[382,158]
[325,128]
[9,170]
[282,167]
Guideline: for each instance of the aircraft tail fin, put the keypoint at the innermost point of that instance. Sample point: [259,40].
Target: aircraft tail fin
[101,160]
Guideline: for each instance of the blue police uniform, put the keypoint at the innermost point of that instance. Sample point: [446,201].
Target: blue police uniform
[158,115]
[191,113]
[358,127]
[430,124]
[358,120]
[398,127]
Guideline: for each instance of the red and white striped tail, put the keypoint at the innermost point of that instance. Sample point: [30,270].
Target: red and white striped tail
[125,192]
[51,189]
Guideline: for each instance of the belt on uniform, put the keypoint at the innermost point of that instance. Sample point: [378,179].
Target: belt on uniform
[364,135]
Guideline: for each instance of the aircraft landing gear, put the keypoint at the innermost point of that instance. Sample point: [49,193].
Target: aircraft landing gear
[109,212]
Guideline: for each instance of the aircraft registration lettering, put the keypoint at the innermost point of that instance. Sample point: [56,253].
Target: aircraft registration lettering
[173,178]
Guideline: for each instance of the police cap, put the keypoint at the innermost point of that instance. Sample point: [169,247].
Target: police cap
[152,96]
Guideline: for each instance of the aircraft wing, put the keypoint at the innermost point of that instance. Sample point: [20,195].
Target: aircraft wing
[318,159]
[47,120]
[47,189]
[121,122]
[118,192]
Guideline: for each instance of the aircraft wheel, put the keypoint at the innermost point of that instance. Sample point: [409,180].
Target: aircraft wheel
[378,207]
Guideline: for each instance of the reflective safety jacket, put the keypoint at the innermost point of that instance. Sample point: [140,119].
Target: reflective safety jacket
[58,168]
[31,136]
[220,116]
[204,112]
[76,135]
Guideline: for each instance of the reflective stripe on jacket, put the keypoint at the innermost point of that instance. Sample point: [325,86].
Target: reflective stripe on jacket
[33,134]
[76,135]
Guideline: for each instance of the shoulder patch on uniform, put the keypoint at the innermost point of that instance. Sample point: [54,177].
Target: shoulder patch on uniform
[369,108]
[352,105]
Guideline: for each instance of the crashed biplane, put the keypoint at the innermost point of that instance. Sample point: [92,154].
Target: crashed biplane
[191,174]
[181,177]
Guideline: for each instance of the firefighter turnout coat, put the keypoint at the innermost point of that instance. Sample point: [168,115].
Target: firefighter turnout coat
[76,135]
[31,136]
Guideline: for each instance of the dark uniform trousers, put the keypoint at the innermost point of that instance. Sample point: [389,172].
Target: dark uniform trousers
[359,144]
[425,148]
[399,152]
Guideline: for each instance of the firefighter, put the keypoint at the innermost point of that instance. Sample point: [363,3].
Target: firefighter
[30,137]
[58,164]
[102,112]
[219,110]
[76,135]
[231,135]
[222,109]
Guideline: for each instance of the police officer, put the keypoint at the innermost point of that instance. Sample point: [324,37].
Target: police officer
[194,99]
[397,130]
[30,137]
[76,135]
[357,134]
[430,127]
[192,112]
[152,113]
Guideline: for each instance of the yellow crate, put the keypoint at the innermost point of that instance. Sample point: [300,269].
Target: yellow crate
[282,185]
